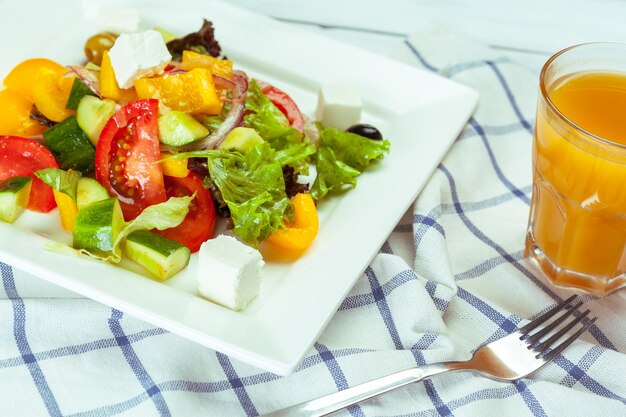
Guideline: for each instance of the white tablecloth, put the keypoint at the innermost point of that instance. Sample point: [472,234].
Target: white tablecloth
[450,278]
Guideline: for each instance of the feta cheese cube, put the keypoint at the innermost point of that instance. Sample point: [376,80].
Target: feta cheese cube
[339,106]
[138,55]
[229,272]
[118,19]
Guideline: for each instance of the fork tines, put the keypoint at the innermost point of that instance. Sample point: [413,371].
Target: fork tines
[543,347]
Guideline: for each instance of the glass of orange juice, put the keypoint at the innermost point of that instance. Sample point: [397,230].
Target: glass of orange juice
[577,225]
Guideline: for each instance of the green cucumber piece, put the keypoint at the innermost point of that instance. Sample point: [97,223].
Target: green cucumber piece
[92,114]
[97,226]
[241,139]
[161,256]
[70,146]
[79,90]
[177,128]
[89,191]
[14,194]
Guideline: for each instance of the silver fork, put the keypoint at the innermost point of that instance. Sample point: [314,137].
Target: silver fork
[507,359]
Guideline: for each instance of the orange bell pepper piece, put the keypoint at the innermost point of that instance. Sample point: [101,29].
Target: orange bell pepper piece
[191,92]
[298,236]
[51,94]
[23,77]
[67,209]
[15,115]
[221,67]
[174,167]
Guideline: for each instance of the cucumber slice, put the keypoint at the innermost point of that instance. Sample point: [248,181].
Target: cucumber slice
[161,256]
[241,139]
[97,226]
[177,128]
[70,146]
[92,114]
[79,90]
[14,194]
[89,191]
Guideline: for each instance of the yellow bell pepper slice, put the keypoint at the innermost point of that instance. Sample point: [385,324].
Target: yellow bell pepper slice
[191,92]
[67,209]
[51,94]
[174,167]
[298,236]
[22,78]
[15,115]
[221,67]
[108,83]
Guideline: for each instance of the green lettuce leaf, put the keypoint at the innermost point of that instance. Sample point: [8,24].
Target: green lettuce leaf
[268,120]
[161,216]
[253,187]
[341,157]
[65,182]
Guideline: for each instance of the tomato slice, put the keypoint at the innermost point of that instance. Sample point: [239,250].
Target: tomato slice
[286,105]
[22,157]
[199,224]
[126,156]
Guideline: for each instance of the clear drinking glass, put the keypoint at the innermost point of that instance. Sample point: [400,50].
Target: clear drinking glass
[577,224]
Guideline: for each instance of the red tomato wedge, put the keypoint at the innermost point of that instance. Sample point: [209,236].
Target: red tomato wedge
[126,156]
[198,226]
[22,157]
[286,105]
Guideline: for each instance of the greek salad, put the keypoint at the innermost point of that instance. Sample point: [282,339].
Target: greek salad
[155,138]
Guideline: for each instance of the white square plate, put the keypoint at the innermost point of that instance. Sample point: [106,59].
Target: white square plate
[419,112]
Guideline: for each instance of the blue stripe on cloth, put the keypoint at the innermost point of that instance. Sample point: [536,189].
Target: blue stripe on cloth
[360,300]
[383,307]
[238,386]
[576,372]
[419,57]
[19,332]
[337,374]
[386,248]
[152,390]
[510,96]
[502,392]
[440,303]
[210,387]
[529,398]
[585,380]
[82,348]
[423,343]
[425,223]
[516,191]
[594,329]
[486,266]
[440,406]
[501,130]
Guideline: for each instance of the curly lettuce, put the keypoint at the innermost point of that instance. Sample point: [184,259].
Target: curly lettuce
[341,157]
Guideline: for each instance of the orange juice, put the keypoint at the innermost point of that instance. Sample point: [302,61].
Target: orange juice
[577,228]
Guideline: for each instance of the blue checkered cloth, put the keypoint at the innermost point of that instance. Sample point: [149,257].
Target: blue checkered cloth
[450,278]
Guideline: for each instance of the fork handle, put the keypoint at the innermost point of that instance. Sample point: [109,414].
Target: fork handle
[330,403]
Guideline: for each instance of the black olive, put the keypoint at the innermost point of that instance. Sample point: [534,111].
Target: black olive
[367,131]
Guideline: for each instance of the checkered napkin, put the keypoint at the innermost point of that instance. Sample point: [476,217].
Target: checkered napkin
[450,278]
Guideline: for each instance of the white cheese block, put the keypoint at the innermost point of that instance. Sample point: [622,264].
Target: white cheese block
[229,272]
[118,19]
[339,106]
[138,55]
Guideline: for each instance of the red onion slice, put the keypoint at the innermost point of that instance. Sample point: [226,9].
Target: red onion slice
[233,119]
[88,77]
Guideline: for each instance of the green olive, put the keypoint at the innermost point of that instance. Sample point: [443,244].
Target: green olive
[97,44]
